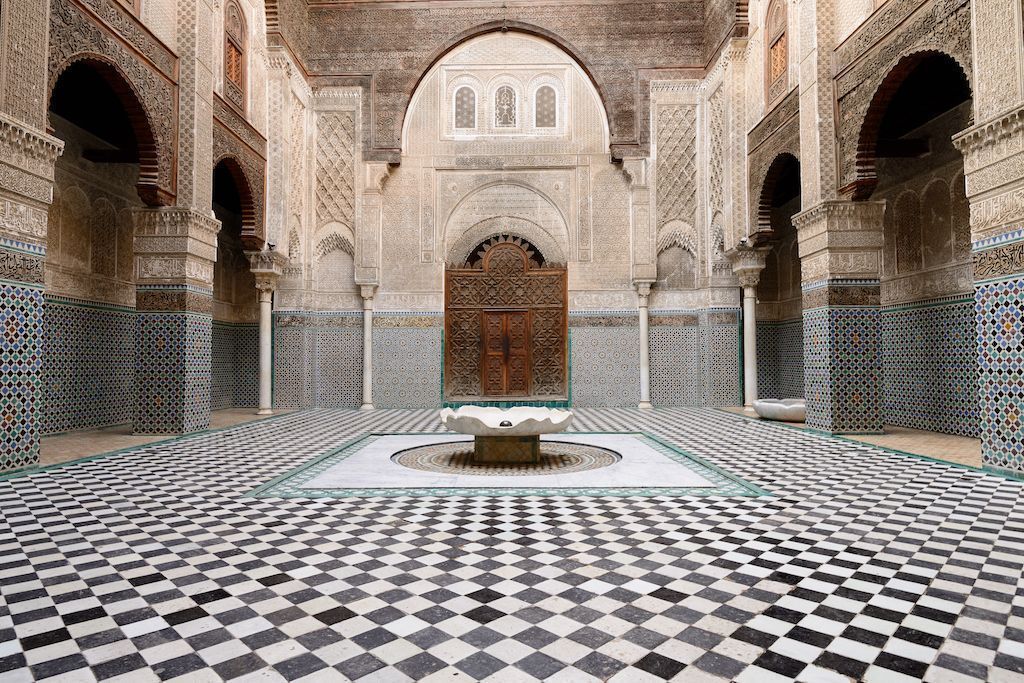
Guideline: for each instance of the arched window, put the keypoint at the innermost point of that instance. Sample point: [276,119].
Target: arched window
[778,51]
[505,107]
[234,55]
[545,107]
[465,108]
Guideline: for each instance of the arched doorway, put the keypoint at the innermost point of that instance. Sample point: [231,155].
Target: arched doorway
[780,337]
[234,380]
[506,325]
[89,310]
[929,357]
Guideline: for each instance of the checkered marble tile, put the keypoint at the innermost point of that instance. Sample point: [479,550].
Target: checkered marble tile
[154,565]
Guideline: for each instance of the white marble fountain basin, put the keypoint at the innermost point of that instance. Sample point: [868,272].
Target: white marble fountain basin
[524,420]
[785,410]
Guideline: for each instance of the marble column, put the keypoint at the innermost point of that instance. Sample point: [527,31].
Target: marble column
[643,291]
[175,249]
[367,291]
[267,267]
[748,262]
[840,256]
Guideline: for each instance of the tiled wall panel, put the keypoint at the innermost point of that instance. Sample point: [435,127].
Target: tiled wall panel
[605,366]
[676,370]
[407,366]
[234,382]
[999,313]
[930,367]
[88,365]
[780,359]
[21,323]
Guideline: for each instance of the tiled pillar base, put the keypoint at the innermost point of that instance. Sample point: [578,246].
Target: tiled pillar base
[999,308]
[173,360]
[842,357]
[21,336]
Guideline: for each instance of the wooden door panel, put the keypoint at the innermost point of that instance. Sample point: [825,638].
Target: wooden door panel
[493,361]
[518,355]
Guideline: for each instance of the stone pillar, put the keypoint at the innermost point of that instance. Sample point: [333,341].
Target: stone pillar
[267,267]
[27,157]
[748,262]
[367,292]
[840,254]
[993,152]
[175,250]
[643,291]
[993,156]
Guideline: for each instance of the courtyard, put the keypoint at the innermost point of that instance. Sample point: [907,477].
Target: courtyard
[835,561]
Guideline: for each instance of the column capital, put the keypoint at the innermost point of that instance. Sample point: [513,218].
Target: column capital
[367,292]
[267,266]
[377,173]
[841,239]
[747,263]
[643,290]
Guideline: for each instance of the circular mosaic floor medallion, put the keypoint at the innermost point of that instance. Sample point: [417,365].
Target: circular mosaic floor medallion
[556,457]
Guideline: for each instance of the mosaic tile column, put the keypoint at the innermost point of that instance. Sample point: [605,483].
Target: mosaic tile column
[27,157]
[175,251]
[993,156]
[840,254]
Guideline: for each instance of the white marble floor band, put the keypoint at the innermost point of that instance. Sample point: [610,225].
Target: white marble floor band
[640,466]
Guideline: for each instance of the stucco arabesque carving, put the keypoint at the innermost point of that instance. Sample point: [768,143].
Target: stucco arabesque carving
[940,26]
[75,35]
[267,266]
[840,239]
[747,263]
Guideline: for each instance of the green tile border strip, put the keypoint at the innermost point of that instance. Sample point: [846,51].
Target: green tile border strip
[994,471]
[290,484]
[37,469]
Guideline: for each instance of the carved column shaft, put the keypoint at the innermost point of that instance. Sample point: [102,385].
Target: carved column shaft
[370,228]
[840,253]
[816,25]
[175,250]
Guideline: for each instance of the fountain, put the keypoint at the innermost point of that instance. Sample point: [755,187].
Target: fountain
[506,435]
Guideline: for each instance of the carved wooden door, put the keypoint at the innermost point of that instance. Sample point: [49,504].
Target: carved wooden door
[506,353]
[506,333]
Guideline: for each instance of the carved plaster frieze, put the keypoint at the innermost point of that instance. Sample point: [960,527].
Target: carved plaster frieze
[28,150]
[957,279]
[840,239]
[267,266]
[1001,261]
[19,266]
[22,221]
[425,302]
[986,143]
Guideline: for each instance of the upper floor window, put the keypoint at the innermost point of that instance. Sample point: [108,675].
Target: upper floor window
[778,50]
[505,107]
[234,55]
[545,107]
[465,108]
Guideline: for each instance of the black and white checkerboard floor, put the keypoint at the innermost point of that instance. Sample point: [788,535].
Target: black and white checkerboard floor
[863,565]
